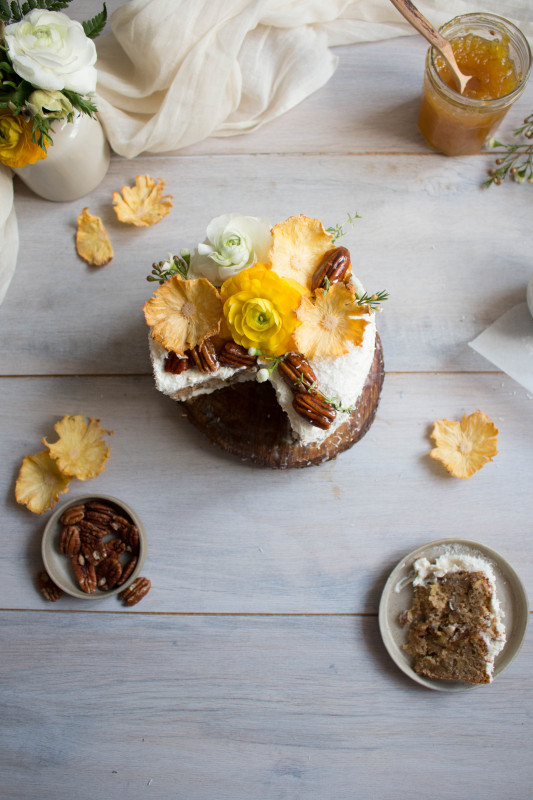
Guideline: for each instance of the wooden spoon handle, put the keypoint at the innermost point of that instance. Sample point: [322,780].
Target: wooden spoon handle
[423,26]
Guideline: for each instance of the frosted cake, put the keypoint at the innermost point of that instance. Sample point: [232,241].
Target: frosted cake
[276,306]
[455,625]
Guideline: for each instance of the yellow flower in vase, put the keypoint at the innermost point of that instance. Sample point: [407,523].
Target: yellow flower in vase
[260,309]
[17,148]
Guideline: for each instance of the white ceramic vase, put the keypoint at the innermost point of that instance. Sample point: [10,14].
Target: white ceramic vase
[76,162]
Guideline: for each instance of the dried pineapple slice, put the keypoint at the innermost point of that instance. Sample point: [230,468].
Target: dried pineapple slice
[40,482]
[298,247]
[464,447]
[183,313]
[142,204]
[330,322]
[92,240]
[80,451]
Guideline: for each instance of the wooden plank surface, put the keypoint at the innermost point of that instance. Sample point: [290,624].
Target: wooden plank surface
[428,234]
[239,707]
[226,536]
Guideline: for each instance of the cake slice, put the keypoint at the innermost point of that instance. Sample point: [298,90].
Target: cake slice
[455,623]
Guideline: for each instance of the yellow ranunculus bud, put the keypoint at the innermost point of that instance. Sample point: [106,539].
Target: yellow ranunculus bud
[260,309]
[17,149]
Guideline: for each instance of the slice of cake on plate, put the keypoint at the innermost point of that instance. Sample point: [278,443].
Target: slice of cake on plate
[455,624]
[258,320]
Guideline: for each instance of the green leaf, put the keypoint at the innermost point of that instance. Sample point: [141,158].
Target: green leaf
[16,13]
[5,13]
[94,26]
[82,104]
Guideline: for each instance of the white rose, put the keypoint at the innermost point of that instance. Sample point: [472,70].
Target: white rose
[233,242]
[52,52]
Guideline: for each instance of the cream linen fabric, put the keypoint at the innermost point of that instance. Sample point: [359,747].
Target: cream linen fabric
[172,72]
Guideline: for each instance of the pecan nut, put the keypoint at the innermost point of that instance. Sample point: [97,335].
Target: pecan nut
[48,588]
[72,515]
[335,266]
[297,373]
[176,364]
[108,573]
[314,409]
[85,575]
[69,541]
[204,356]
[135,592]
[127,570]
[130,537]
[235,355]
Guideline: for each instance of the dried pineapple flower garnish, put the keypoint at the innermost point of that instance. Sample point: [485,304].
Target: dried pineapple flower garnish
[92,240]
[298,247]
[80,452]
[40,482]
[330,322]
[143,204]
[466,446]
[183,313]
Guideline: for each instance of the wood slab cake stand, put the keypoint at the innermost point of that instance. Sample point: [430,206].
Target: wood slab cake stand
[247,421]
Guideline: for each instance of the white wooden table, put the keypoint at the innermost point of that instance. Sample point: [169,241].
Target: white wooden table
[254,669]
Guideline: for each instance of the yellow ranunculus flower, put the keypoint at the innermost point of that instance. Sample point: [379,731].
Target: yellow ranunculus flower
[17,149]
[260,309]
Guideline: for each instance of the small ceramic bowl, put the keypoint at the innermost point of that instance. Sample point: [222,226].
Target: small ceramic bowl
[59,566]
[397,596]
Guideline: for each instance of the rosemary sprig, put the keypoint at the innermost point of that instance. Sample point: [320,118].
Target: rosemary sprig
[334,403]
[174,265]
[338,230]
[516,161]
[372,300]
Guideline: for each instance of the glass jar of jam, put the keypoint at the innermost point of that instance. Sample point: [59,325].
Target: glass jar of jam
[497,55]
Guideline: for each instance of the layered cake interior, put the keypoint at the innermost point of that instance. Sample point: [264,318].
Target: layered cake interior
[253,303]
[455,624]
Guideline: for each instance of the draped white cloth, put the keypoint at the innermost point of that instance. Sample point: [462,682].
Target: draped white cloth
[172,72]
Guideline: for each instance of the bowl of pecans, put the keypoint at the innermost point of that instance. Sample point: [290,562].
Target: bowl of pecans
[94,546]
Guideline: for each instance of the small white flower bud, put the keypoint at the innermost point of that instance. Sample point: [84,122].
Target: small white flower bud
[263,375]
[253,351]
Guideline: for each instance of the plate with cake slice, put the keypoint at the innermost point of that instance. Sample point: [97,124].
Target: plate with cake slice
[268,340]
[453,615]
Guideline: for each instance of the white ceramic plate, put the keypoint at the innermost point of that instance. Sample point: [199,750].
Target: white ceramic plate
[59,567]
[397,596]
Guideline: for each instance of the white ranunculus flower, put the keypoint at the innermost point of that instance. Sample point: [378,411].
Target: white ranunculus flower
[233,242]
[52,52]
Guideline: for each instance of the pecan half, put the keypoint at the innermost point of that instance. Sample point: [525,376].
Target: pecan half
[48,588]
[108,574]
[72,515]
[135,592]
[69,541]
[113,548]
[85,575]
[91,529]
[176,364]
[314,409]
[297,373]
[127,570]
[130,537]
[235,355]
[204,356]
[101,507]
[335,266]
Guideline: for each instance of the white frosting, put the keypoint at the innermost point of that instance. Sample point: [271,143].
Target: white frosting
[340,379]
[454,561]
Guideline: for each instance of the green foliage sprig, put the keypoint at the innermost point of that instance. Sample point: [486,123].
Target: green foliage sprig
[516,161]
[174,265]
[372,300]
[14,11]
[338,230]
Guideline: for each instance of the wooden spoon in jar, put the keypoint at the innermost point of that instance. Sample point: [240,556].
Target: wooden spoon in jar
[423,26]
